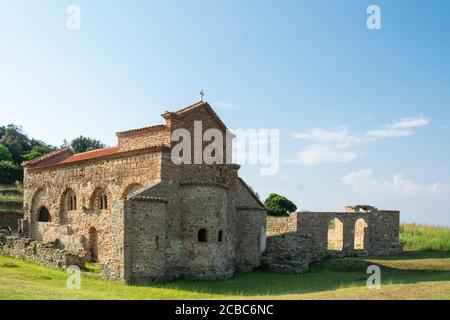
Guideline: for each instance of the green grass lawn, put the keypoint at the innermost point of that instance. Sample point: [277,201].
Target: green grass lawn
[419,273]
[412,275]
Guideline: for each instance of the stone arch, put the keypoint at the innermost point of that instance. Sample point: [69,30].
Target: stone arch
[44,215]
[37,201]
[68,202]
[360,234]
[100,199]
[335,234]
[130,190]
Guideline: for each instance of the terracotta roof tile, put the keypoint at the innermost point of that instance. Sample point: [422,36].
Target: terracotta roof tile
[91,155]
[53,156]
[100,154]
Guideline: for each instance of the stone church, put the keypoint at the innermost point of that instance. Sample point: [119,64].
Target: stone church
[140,215]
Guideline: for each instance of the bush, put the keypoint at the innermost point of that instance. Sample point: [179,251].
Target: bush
[10,172]
[5,155]
[423,237]
[277,205]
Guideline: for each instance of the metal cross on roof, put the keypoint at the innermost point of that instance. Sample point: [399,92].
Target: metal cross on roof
[202,94]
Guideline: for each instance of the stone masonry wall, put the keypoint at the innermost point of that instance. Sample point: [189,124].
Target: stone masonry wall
[47,188]
[373,233]
[206,207]
[145,241]
[156,136]
[280,225]
[49,255]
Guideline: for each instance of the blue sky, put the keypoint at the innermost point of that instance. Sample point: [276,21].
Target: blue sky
[364,114]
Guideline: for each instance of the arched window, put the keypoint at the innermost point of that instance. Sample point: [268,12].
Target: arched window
[335,235]
[44,215]
[103,204]
[99,199]
[70,200]
[202,235]
[156,243]
[360,234]
[73,203]
[220,237]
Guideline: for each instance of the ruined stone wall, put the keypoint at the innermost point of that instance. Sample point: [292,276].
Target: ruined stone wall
[314,226]
[49,255]
[114,177]
[373,233]
[156,136]
[279,225]
[384,233]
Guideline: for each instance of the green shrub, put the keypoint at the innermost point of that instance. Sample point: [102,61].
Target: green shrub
[277,205]
[5,155]
[10,172]
[423,237]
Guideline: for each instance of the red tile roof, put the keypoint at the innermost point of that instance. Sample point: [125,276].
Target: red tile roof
[100,154]
[52,157]
[91,155]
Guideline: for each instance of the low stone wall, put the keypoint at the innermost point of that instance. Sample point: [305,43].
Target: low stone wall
[46,254]
[280,225]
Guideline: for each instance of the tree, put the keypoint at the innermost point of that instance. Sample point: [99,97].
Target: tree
[277,205]
[5,155]
[83,144]
[10,172]
[16,141]
[39,149]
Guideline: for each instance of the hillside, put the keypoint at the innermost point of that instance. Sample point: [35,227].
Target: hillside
[11,205]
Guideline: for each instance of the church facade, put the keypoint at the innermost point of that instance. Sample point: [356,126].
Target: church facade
[142,216]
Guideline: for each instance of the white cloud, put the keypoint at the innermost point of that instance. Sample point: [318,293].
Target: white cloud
[363,183]
[401,128]
[317,154]
[407,123]
[389,133]
[327,145]
[340,138]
